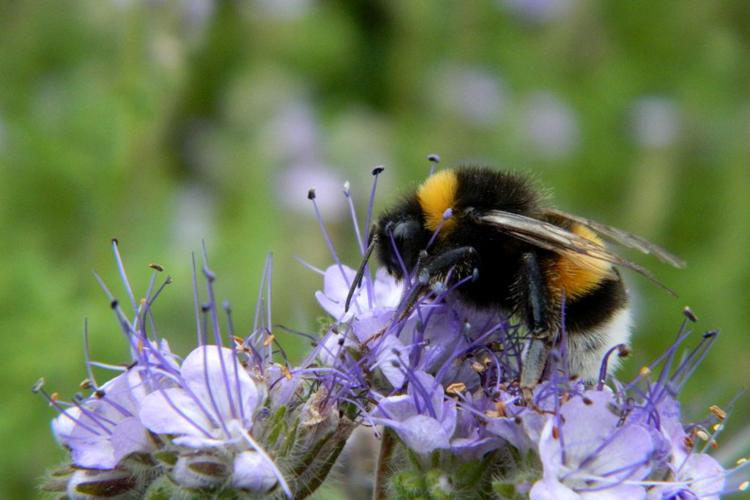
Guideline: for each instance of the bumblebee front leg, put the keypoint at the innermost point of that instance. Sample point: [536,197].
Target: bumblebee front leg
[440,264]
[429,269]
[536,297]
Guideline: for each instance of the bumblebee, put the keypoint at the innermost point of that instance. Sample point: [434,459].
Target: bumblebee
[527,260]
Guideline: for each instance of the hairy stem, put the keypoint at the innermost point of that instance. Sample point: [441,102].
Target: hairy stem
[387,444]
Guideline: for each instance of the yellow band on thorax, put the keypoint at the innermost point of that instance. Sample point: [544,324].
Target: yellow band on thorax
[436,195]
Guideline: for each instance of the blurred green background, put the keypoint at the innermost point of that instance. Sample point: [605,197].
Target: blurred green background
[164,122]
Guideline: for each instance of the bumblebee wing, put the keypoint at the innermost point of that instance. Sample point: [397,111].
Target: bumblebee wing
[559,240]
[622,237]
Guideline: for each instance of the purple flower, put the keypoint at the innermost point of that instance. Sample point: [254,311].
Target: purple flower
[214,402]
[698,476]
[385,295]
[586,452]
[422,418]
[104,429]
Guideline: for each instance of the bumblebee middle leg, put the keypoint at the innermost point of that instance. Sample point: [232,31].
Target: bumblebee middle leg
[536,308]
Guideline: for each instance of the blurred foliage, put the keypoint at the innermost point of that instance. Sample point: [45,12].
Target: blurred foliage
[164,122]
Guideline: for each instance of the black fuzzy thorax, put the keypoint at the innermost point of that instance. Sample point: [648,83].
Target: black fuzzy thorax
[498,257]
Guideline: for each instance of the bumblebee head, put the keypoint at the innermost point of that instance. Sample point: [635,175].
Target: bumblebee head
[401,236]
[406,230]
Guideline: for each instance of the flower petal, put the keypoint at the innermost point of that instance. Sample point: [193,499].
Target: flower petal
[252,472]
[397,408]
[130,436]
[552,490]
[173,411]
[215,376]
[423,434]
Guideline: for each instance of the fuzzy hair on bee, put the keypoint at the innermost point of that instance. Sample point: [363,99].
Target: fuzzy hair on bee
[527,259]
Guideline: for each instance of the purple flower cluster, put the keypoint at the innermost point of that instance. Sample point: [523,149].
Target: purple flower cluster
[445,379]
[174,426]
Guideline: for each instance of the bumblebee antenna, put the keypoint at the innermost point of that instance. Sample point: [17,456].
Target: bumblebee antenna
[434,160]
[361,270]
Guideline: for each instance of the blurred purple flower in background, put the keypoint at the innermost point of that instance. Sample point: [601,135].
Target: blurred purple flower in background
[193,214]
[294,181]
[474,94]
[285,10]
[550,126]
[539,11]
[294,133]
[655,122]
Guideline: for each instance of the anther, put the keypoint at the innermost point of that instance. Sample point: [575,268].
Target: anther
[115,241]
[587,401]
[156,267]
[85,384]
[377,170]
[689,314]
[623,351]
[38,386]
[478,367]
[99,394]
[114,304]
[347,189]
[311,194]
[500,408]
[455,388]
[205,308]
[433,158]
[717,412]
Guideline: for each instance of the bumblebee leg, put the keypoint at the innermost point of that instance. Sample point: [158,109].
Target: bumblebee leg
[443,262]
[535,289]
[431,268]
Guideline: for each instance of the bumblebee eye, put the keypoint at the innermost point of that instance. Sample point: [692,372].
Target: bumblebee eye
[407,230]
